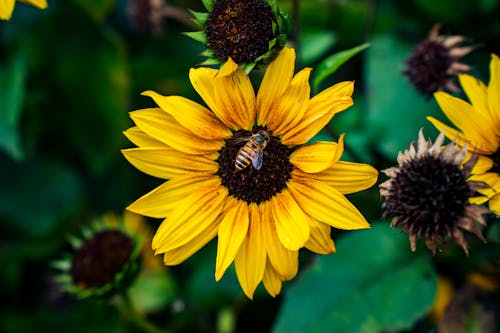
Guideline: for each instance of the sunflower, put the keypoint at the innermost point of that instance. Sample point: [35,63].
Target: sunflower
[250,32]
[478,124]
[262,215]
[7,6]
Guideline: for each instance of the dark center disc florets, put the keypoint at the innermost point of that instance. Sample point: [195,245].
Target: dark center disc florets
[240,29]
[97,261]
[427,67]
[249,184]
[428,196]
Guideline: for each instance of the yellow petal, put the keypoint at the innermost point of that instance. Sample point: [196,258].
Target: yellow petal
[289,109]
[202,80]
[196,118]
[250,262]
[326,204]
[477,92]
[163,127]
[459,137]
[168,163]
[316,157]
[483,164]
[320,241]
[284,261]
[6,8]
[494,89]
[235,101]
[232,233]
[161,201]
[473,124]
[346,177]
[228,68]
[320,111]
[494,204]
[292,224]
[278,76]
[42,4]
[189,218]
[272,281]
[139,138]
[178,255]
[492,179]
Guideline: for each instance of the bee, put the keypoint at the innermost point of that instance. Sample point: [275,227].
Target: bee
[252,151]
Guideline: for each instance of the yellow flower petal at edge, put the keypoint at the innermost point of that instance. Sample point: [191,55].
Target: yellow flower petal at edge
[464,116]
[494,90]
[320,241]
[276,80]
[191,115]
[161,201]
[7,7]
[163,127]
[232,232]
[458,136]
[178,255]
[346,177]
[283,260]
[168,163]
[316,157]
[191,215]
[326,204]
[272,281]
[139,138]
[250,262]
[320,111]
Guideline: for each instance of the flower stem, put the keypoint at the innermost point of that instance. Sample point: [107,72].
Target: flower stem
[129,313]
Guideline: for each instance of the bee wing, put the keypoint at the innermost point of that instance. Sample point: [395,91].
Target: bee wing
[235,141]
[257,160]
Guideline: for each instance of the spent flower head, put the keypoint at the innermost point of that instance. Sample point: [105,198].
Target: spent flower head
[250,32]
[435,62]
[478,123]
[241,170]
[104,261]
[428,194]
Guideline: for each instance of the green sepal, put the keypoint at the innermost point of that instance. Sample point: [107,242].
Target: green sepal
[208,4]
[199,18]
[198,36]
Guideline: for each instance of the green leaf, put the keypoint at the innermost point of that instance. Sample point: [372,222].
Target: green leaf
[12,81]
[332,63]
[315,44]
[373,283]
[396,111]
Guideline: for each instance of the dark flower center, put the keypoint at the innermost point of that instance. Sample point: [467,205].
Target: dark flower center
[427,67]
[240,29]
[428,196]
[100,258]
[249,184]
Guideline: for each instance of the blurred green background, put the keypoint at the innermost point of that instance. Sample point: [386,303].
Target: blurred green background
[70,74]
